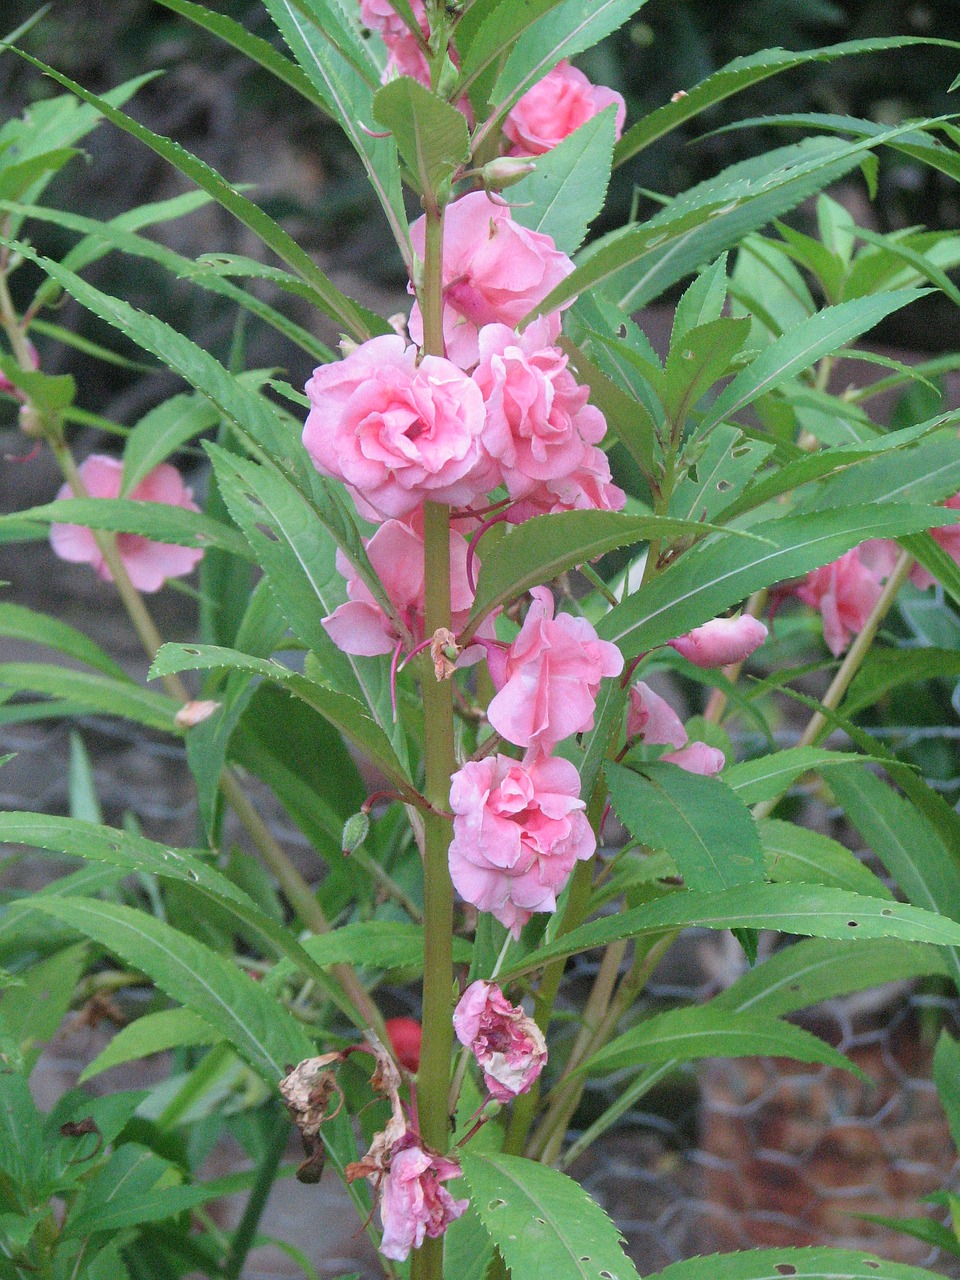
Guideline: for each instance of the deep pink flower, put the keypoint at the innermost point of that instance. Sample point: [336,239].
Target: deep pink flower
[494,270]
[697,757]
[149,564]
[396,553]
[721,641]
[547,685]
[507,1044]
[397,432]
[948,537]
[845,592]
[539,425]
[557,105]
[588,488]
[518,830]
[413,1202]
[652,718]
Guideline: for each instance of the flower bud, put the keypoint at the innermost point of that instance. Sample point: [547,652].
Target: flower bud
[355,831]
[192,713]
[722,641]
[505,171]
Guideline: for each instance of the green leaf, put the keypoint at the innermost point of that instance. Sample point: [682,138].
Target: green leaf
[566,190]
[794,854]
[736,76]
[96,693]
[698,361]
[886,669]
[158,521]
[540,549]
[161,433]
[376,944]
[488,28]
[703,1031]
[32,1012]
[544,1224]
[344,712]
[818,969]
[329,298]
[720,572]
[264,1034]
[295,542]
[905,842]
[789,908]
[801,1264]
[430,134]
[20,623]
[769,776]
[728,462]
[153,1033]
[946,1075]
[22,1155]
[350,100]
[562,32]
[819,335]
[705,828]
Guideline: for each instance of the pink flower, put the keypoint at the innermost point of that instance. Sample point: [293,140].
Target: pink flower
[396,553]
[539,425]
[557,105]
[380,15]
[548,680]
[652,718]
[949,538]
[845,592]
[507,1044]
[149,564]
[494,270]
[697,757]
[518,830]
[414,1204]
[588,488]
[397,432]
[721,641]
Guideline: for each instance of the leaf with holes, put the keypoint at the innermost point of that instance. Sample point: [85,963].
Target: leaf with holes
[791,1264]
[545,1226]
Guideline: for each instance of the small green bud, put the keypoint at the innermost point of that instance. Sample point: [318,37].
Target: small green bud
[505,171]
[355,831]
[491,1109]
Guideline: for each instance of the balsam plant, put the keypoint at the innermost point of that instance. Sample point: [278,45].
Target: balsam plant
[460,557]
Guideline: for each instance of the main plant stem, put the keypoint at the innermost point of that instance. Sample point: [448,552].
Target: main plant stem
[433,1077]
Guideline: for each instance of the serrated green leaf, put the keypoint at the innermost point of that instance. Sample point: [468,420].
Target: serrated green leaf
[705,828]
[719,572]
[341,710]
[153,1033]
[704,1031]
[20,623]
[946,1075]
[770,775]
[159,521]
[795,854]
[95,693]
[728,462]
[698,361]
[161,432]
[886,669]
[430,134]
[378,944]
[544,1224]
[264,1034]
[566,191]
[789,908]
[801,1264]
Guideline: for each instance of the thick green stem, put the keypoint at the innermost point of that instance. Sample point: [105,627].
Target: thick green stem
[433,1077]
[819,724]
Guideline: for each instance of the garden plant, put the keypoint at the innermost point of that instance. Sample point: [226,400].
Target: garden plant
[452,599]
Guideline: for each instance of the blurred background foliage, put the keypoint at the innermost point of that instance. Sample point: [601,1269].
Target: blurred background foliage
[301,169]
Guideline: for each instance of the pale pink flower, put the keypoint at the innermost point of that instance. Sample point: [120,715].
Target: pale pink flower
[845,592]
[557,105]
[518,830]
[149,564]
[948,537]
[697,757]
[397,432]
[721,641]
[413,1202]
[406,58]
[652,718]
[494,270]
[506,1042]
[396,552]
[588,488]
[539,425]
[547,681]
[380,15]
[5,383]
